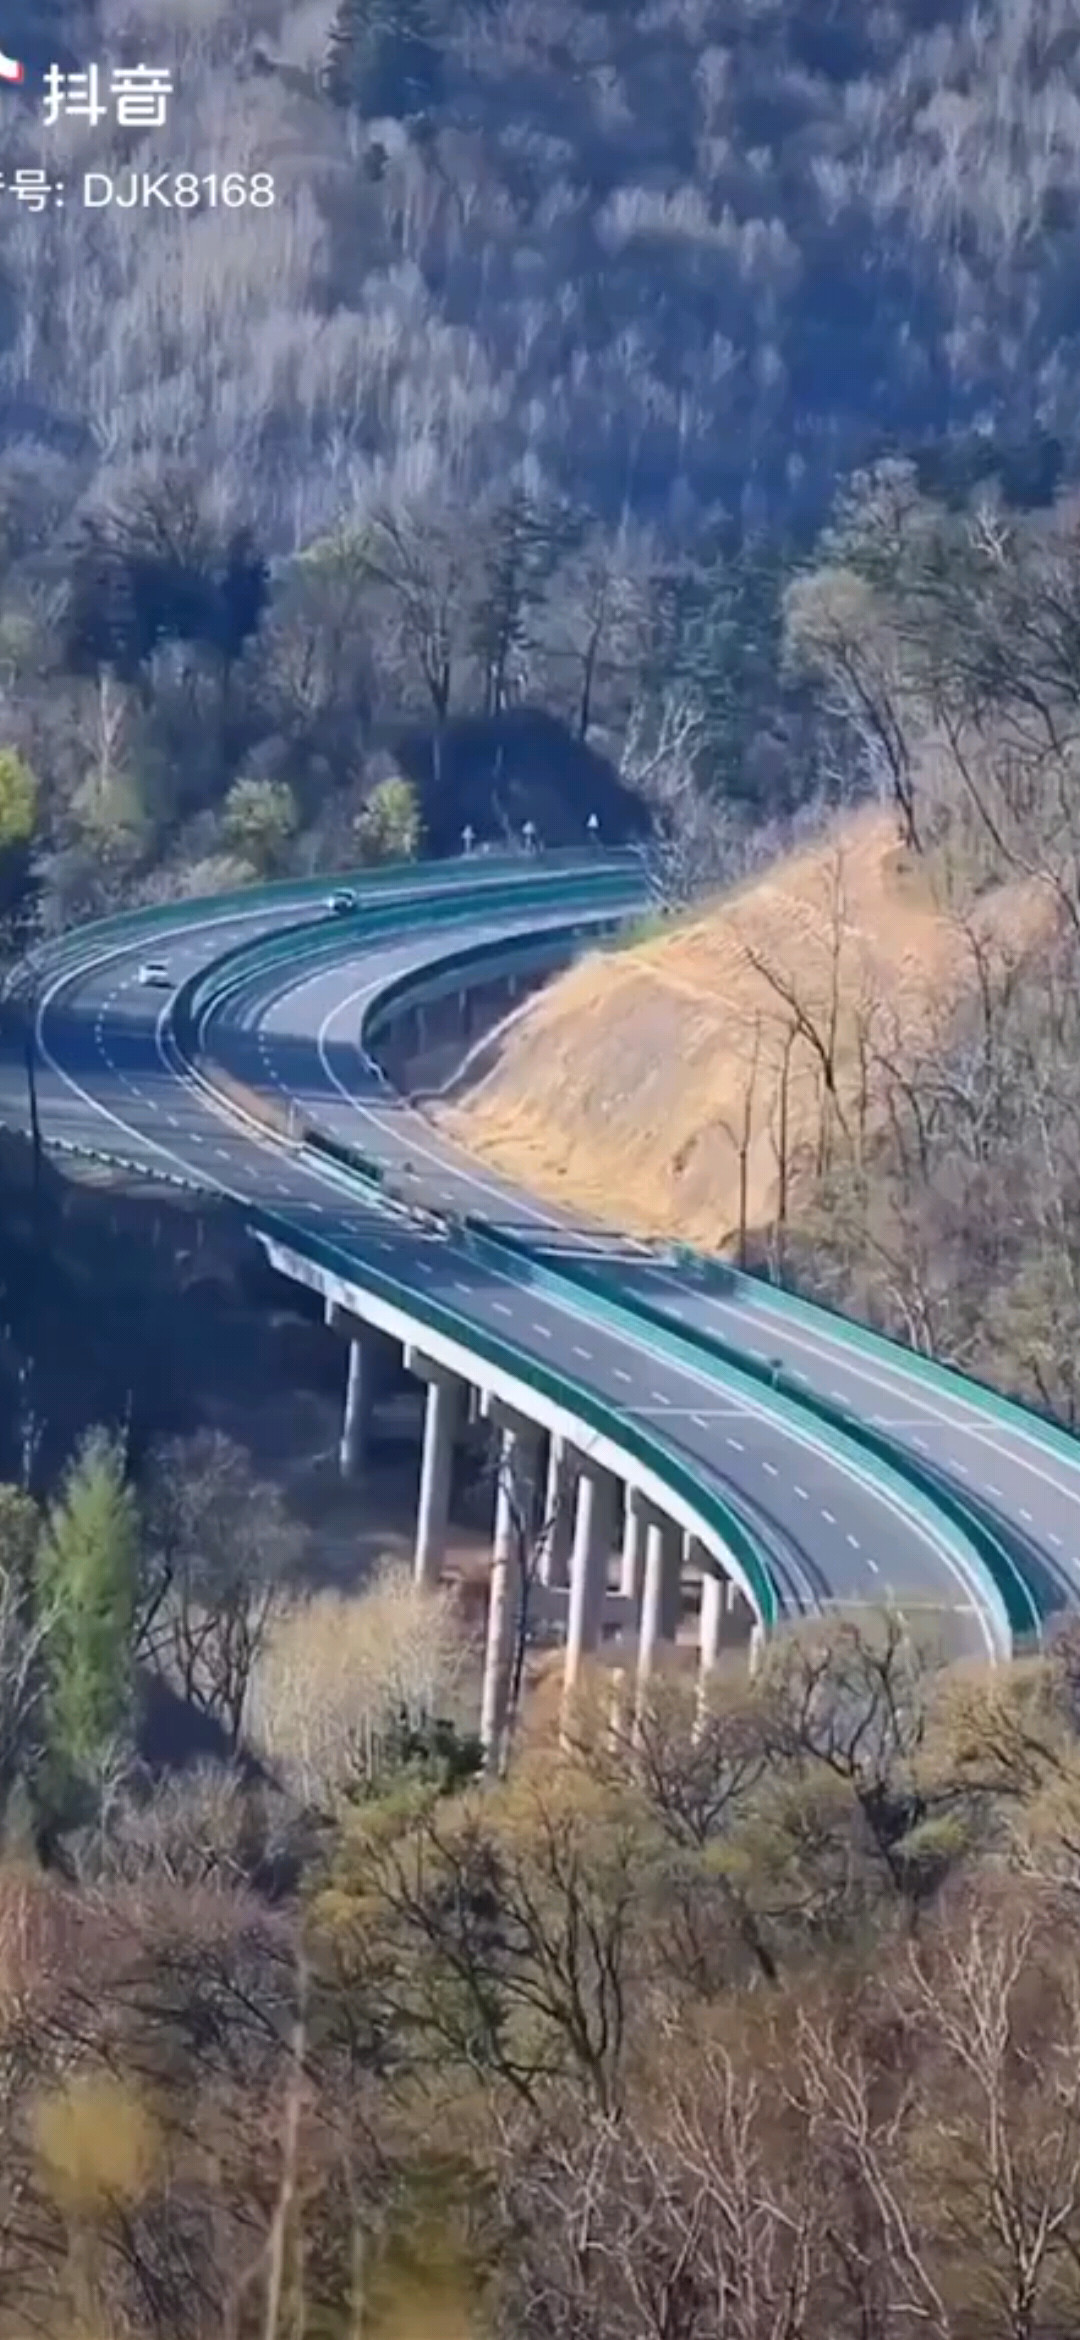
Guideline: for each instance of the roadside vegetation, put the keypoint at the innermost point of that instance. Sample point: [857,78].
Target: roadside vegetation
[860,1068]
[478,463]
[661,410]
[765,2026]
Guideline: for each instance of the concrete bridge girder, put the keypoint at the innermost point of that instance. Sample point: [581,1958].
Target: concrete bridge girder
[585,1467]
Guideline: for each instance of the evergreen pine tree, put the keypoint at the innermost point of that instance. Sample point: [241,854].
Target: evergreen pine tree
[87,1569]
[383,58]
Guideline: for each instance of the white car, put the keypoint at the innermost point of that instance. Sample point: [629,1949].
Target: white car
[155,973]
[341,902]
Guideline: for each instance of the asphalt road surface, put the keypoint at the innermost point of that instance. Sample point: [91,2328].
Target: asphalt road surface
[108,1077]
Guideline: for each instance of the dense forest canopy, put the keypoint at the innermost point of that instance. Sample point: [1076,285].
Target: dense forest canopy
[662,258]
[668,408]
[526,392]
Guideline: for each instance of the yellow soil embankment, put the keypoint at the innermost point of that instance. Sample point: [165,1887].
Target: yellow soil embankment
[637,1083]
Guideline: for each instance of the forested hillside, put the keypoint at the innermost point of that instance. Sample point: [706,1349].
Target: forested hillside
[666,409]
[525,394]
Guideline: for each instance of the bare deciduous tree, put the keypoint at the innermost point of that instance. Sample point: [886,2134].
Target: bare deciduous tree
[219,1551]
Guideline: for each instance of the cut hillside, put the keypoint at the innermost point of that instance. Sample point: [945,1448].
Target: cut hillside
[693,1082]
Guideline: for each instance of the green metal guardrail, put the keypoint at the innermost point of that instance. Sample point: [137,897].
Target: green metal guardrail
[1021,1611]
[560,1388]
[311,940]
[690,1345]
[946,1380]
[476,871]
[892,1469]
[402,988]
[522,892]
[1025,1615]
[191,1001]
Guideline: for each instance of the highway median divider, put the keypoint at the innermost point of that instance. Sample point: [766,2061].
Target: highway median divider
[306,942]
[946,1380]
[269,1112]
[692,1345]
[346,1157]
[309,938]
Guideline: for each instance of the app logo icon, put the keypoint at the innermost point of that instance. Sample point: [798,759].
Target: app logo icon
[10,69]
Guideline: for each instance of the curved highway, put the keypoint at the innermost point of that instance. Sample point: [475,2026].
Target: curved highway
[109,1076]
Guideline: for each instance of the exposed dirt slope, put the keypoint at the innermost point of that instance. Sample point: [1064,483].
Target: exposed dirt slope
[634,1084]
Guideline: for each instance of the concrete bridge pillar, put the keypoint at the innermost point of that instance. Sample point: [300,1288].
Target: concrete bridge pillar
[442,1413]
[558,1520]
[738,1623]
[710,1621]
[726,1621]
[710,1628]
[660,1600]
[671,1576]
[359,1407]
[366,1373]
[517,1463]
[593,1535]
[632,1564]
[636,1516]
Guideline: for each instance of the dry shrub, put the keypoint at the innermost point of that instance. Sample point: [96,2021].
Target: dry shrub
[338,1671]
[41,1941]
[97,2143]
